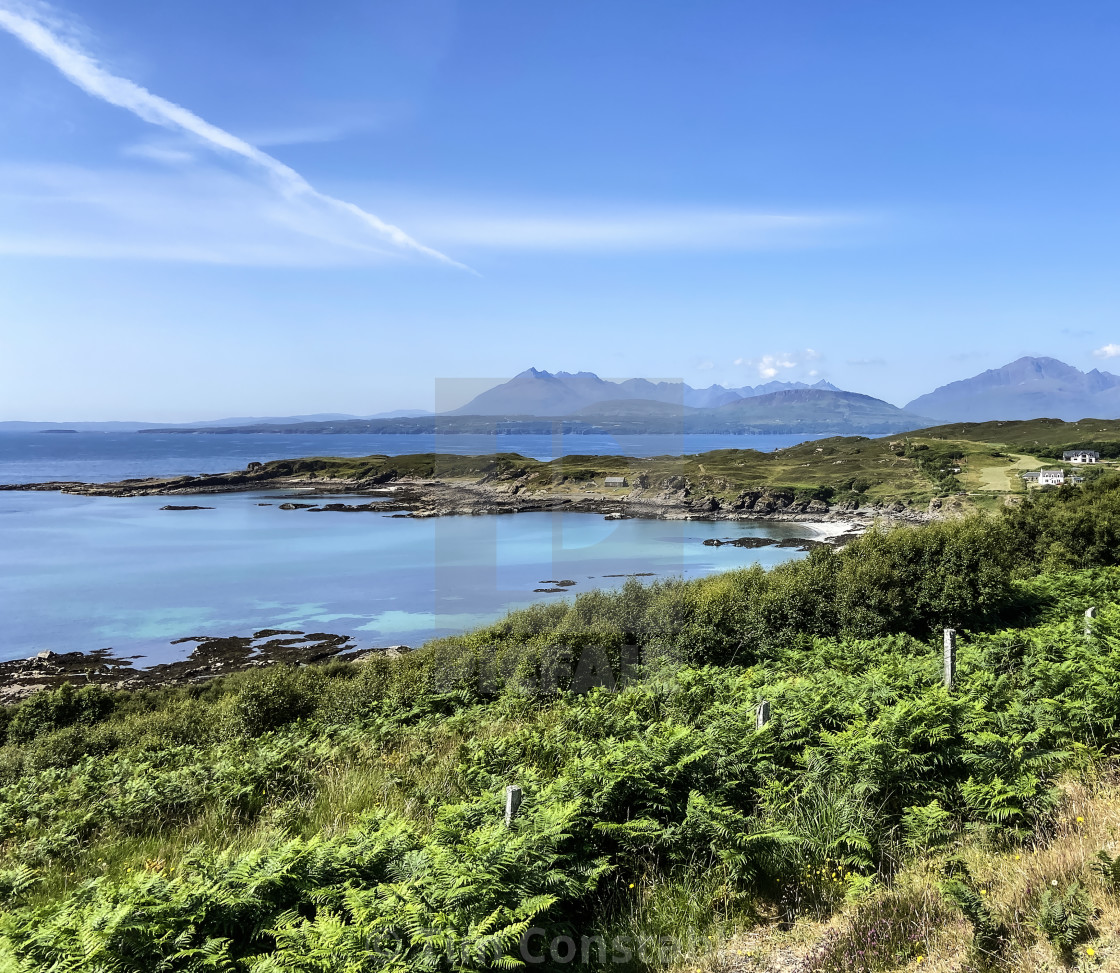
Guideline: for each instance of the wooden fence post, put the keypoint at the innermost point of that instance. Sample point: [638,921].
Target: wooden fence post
[950,657]
[513,802]
[762,714]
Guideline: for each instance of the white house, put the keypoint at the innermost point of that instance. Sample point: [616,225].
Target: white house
[1051,477]
[615,481]
[1081,456]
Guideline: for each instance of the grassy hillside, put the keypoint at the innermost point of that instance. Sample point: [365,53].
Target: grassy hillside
[350,817]
[976,464]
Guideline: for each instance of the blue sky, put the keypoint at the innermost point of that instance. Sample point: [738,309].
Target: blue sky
[197,201]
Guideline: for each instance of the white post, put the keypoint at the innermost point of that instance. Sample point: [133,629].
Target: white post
[762,714]
[1090,614]
[513,802]
[950,657]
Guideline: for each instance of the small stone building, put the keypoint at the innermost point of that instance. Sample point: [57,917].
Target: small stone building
[615,481]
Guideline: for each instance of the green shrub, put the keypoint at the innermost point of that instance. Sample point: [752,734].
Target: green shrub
[66,747]
[1064,915]
[1108,868]
[50,710]
[815,493]
[272,698]
[989,934]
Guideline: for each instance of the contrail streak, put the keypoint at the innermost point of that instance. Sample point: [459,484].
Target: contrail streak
[84,71]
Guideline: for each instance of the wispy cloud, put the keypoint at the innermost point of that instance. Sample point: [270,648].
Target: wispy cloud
[634,229]
[866,362]
[41,35]
[193,213]
[770,366]
[312,133]
[1107,351]
[158,152]
[257,209]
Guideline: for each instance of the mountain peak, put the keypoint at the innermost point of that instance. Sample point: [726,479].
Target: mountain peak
[536,392]
[1027,388]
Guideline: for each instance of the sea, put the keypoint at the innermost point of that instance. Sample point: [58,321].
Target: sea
[84,573]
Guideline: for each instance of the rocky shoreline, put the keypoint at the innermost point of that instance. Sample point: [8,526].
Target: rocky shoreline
[212,656]
[670,498]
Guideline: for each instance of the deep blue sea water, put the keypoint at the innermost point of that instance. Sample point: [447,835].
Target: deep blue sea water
[95,457]
[81,573]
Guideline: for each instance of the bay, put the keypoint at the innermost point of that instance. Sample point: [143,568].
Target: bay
[83,573]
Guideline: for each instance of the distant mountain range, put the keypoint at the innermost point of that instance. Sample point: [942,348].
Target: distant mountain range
[535,400]
[1030,388]
[538,402]
[538,393]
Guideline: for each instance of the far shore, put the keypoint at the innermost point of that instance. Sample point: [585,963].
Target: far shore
[485,495]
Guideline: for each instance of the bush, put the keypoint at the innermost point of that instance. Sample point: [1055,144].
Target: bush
[1064,915]
[55,709]
[66,747]
[815,493]
[272,698]
[989,935]
[1108,868]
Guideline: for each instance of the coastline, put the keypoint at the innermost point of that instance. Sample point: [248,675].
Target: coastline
[211,657]
[483,488]
[674,498]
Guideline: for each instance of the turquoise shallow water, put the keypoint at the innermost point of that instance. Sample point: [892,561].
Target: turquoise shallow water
[81,573]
